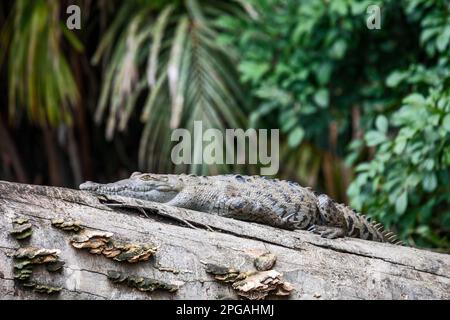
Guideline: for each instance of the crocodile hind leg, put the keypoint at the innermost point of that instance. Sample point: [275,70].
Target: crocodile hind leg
[333,224]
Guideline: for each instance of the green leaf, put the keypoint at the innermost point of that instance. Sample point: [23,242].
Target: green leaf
[413,180]
[429,182]
[321,97]
[400,144]
[289,124]
[374,138]
[339,6]
[359,7]
[429,164]
[415,99]
[296,137]
[338,49]
[72,38]
[395,78]
[273,93]
[446,123]
[382,123]
[401,203]
[423,230]
[363,167]
[253,71]
[428,33]
[323,73]
[443,39]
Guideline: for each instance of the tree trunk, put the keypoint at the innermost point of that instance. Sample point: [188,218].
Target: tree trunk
[186,241]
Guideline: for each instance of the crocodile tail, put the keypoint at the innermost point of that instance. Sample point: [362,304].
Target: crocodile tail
[360,226]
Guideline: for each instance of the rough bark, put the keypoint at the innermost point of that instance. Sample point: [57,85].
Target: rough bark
[317,268]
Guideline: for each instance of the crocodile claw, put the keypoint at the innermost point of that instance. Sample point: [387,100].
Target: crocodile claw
[328,232]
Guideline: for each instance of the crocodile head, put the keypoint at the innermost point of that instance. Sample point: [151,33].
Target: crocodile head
[145,186]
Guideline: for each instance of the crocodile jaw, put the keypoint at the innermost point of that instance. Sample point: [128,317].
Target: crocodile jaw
[129,188]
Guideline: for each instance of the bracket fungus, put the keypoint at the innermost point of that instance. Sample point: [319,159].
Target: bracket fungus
[22,229]
[42,288]
[67,225]
[26,258]
[253,285]
[140,283]
[98,242]
[223,274]
[259,284]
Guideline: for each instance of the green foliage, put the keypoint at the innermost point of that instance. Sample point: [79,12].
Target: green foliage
[40,79]
[407,182]
[169,58]
[313,63]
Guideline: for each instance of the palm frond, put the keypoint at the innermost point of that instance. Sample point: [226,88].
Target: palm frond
[158,33]
[186,76]
[40,80]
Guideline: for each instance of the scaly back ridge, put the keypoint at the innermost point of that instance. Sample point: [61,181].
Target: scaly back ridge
[360,226]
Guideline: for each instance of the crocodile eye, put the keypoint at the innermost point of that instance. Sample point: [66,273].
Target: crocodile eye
[146,177]
[136,173]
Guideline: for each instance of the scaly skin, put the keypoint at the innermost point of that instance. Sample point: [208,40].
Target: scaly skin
[277,203]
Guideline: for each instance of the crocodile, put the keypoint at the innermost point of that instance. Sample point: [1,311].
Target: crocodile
[278,203]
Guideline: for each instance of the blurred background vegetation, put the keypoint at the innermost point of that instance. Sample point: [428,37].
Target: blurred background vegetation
[364,114]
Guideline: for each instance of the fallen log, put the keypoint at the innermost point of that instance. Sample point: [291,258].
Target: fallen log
[108,248]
